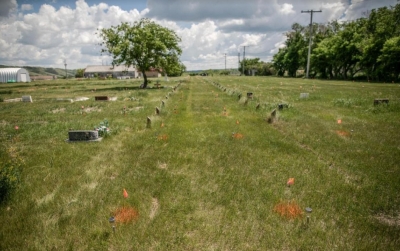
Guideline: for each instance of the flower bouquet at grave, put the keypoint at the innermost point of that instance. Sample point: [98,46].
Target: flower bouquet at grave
[103,128]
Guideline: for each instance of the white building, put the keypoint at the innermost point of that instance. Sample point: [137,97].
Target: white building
[12,75]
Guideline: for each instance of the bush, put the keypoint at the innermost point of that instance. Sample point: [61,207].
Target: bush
[10,169]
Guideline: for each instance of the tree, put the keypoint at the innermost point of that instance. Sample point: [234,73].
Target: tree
[143,44]
[79,73]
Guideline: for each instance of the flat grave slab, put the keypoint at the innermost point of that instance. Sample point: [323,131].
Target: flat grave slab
[13,100]
[83,135]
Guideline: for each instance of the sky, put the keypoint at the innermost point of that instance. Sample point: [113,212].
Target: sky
[48,33]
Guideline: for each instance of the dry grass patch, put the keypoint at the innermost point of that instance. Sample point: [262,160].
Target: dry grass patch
[126,214]
[393,221]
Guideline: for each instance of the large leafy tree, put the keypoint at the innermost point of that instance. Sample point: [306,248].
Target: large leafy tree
[144,44]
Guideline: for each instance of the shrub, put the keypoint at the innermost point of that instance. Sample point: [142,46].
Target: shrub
[10,169]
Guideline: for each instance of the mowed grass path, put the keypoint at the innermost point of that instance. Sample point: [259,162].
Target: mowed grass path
[198,188]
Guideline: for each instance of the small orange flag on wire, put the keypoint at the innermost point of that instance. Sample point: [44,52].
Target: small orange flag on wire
[290,181]
[237,122]
[162,124]
[125,193]
[339,121]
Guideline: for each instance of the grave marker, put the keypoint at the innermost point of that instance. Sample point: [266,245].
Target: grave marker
[379,101]
[148,124]
[304,95]
[258,106]
[101,98]
[273,113]
[83,135]
[157,111]
[281,106]
[13,100]
[250,95]
[27,99]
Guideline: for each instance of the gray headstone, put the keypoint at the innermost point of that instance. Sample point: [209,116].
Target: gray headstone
[304,95]
[27,99]
[148,124]
[273,113]
[83,135]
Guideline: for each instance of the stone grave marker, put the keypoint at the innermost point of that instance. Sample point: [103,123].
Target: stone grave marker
[101,98]
[273,113]
[83,135]
[162,103]
[157,111]
[272,117]
[148,124]
[258,106]
[281,106]
[65,100]
[13,100]
[27,99]
[250,95]
[379,101]
[304,95]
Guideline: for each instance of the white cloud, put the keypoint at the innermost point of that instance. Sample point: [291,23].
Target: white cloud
[26,7]
[287,9]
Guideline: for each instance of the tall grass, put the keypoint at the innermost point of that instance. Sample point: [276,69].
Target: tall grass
[195,186]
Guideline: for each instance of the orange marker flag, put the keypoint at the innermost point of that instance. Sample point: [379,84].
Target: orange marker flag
[125,193]
[339,121]
[162,124]
[290,181]
[237,122]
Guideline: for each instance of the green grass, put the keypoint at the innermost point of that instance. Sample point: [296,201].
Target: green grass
[202,189]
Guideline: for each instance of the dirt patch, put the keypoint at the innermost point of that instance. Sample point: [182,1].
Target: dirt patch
[162,137]
[343,133]
[126,214]
[288,210]
[388,220]
[237,135]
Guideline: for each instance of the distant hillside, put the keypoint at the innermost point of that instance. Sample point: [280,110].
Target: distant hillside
[36,70]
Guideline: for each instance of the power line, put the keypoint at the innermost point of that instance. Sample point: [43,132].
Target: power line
[310,41]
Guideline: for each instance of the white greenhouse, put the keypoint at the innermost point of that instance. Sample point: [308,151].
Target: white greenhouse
[12,75]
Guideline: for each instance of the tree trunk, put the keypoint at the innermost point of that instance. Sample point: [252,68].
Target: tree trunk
[145,80]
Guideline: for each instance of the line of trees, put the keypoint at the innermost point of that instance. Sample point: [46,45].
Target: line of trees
[256,66]
[367,48]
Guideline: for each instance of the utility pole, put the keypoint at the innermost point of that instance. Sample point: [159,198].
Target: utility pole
[238,61]
[244,54]
[65,63]
[310,40]
[225,61]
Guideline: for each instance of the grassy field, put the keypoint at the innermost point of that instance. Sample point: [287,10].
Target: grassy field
[211,173]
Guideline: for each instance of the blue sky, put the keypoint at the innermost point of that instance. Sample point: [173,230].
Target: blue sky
[47,32]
